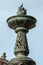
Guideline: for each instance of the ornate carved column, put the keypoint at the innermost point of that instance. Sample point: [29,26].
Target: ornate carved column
[21,47]
[21,23]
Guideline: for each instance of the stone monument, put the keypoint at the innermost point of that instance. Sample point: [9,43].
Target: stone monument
[21,23]
[3,60]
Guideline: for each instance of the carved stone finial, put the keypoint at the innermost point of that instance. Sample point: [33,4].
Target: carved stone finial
[21,10]
[3,56]
[21,23]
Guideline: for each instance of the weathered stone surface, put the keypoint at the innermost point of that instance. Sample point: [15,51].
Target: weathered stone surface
[21,44]
[21,23]
[21,20]
[3,60]
[22,61]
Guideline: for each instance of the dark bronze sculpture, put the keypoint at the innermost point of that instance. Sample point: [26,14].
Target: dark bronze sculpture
[21,23]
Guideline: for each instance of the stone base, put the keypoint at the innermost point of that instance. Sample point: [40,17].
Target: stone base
[22,61]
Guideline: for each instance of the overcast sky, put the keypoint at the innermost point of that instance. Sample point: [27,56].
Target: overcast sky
[35,36]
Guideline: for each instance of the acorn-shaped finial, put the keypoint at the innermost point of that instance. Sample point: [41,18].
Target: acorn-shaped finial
[3,56]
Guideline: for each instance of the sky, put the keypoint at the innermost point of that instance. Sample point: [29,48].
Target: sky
[35,36]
